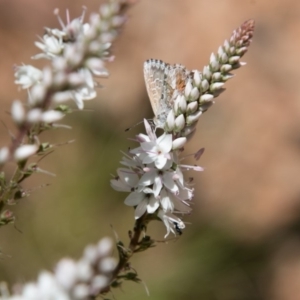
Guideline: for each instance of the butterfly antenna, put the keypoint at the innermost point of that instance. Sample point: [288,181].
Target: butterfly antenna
[129,128]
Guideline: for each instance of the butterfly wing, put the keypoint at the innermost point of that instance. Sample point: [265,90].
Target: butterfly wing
[155,77]
[162,80]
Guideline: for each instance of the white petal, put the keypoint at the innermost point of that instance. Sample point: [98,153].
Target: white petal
[128,177]
[160,162]
[148,178]
[169,182]
[153,205]
[165,142]
[140,209]
[134,198]
[157,186]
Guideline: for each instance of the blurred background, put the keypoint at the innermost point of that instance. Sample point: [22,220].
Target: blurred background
[242,241]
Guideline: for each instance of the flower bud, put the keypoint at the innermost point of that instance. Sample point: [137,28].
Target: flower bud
[206,98]
[52,116]
[24,151]
[194,94]
[105,247]
[226,77]
[189,131]
[81,291]
[204,86]
[240,52]
[226,68]
[226,46]
[234,59]
[232,50]
[193,117]
[214,64]
[65,273]
[18,112]
[192,107]
[34,115]
[107,264]
[197,77]
[99,282]
[217,76]
[178,143]
[223,58]
[179,123]
[182,104]
[4,155]
[188,89]
[170,122]
[207,73]
[220,51]
[37,94]
[216,86]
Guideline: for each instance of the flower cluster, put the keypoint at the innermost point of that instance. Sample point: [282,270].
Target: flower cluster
[80,280]
[191,93]
[153,173]
[77,53]
[154,177]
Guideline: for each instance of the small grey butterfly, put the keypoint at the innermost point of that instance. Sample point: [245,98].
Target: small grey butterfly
[163,83]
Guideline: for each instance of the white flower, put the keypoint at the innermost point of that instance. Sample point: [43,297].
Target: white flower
[153,149]
[96,65]
[170,202]
[156,151]
[144,201]
[126,181]
[159,178]
[87,91]
[49,288]
[51,47]
[27,76]
[172,223]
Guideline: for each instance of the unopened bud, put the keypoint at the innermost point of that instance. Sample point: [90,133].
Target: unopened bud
[193,117]
[25,151]
[179,123]
[4,155]
[178,143]
[18,112]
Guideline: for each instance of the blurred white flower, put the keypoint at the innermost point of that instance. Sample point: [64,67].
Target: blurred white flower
[24,151]
[27,76]
[18,112]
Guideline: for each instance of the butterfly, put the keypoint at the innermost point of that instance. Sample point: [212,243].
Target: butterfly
[163,82]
